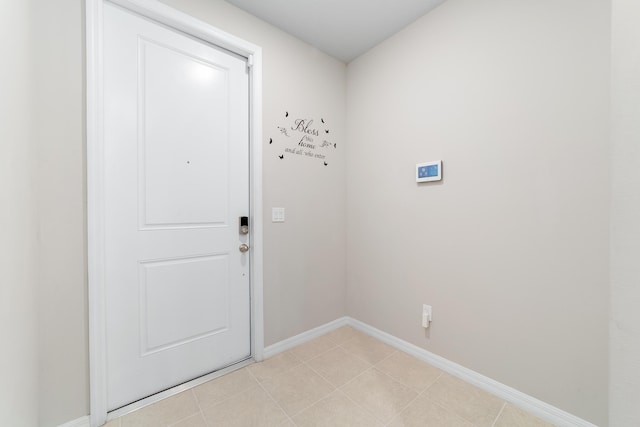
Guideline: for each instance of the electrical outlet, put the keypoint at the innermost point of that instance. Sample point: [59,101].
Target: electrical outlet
[427,313]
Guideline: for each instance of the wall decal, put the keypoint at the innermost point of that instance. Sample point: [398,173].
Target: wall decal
[301,137]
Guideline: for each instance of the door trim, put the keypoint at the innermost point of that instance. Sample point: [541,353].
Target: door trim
[168,16]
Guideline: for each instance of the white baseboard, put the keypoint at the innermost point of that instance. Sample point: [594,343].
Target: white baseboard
[80,422]
[284,345]
[517,398]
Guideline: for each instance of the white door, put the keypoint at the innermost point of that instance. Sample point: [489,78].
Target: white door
[176,136]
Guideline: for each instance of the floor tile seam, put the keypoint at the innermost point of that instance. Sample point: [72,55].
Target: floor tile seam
[204,417]
[191,415]
[326,396]
[297,363]
[355,378]
[210,405]
[385,358]
[419,394]
[362,358]
[326,335]
[195,397]
[441,404]
[504,405]
[185,417]
[451,411]
[448,409]
[227,396]
[417,390]
[433,383]
[319,354]
[395,380]
[360,406]
[402,410]
[273,399]
[202,406]
[354,337]
[375,417]
[392,379]
[335,387]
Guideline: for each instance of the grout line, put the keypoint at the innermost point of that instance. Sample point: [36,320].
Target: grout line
[297,362]
[272,398]
[448,410]
[386,357]
[182,419]
[365,360]
[227,396]
[356,377]
[323,397]
[321,352]
[195,396]
[446,407]
[204,418]
[316,402]
[434,381]
[339,389]
[335,387]
[504,405]
[195,399]
[360,406]
[408,404]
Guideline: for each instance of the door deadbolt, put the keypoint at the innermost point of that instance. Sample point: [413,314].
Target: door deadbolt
[244,225]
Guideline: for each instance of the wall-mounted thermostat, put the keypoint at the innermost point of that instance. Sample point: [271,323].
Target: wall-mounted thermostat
[430,171]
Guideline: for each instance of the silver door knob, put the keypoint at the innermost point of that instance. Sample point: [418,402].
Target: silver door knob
[244,248]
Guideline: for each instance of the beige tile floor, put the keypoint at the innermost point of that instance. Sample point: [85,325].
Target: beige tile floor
[343,378]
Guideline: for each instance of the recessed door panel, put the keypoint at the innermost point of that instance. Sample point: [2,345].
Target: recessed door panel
[181,301]
[183,105]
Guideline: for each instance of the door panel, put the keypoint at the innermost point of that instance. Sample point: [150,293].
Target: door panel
[176,181]
[178,302]
[182,129]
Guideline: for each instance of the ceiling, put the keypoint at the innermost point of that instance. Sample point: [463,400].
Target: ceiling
[344,29]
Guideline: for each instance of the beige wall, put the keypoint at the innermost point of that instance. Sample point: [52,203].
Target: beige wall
[511,248]
[625,213]
[18,222]
[305,272]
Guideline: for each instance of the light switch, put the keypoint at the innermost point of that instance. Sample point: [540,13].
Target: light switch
[277,214]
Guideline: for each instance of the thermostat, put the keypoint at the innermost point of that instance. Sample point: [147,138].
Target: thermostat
[430,171]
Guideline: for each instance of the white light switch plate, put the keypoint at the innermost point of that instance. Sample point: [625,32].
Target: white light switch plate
[277,214]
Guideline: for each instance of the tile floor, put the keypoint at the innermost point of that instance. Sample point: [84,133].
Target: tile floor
[343,378]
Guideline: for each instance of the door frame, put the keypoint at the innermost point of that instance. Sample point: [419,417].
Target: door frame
[182,22]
